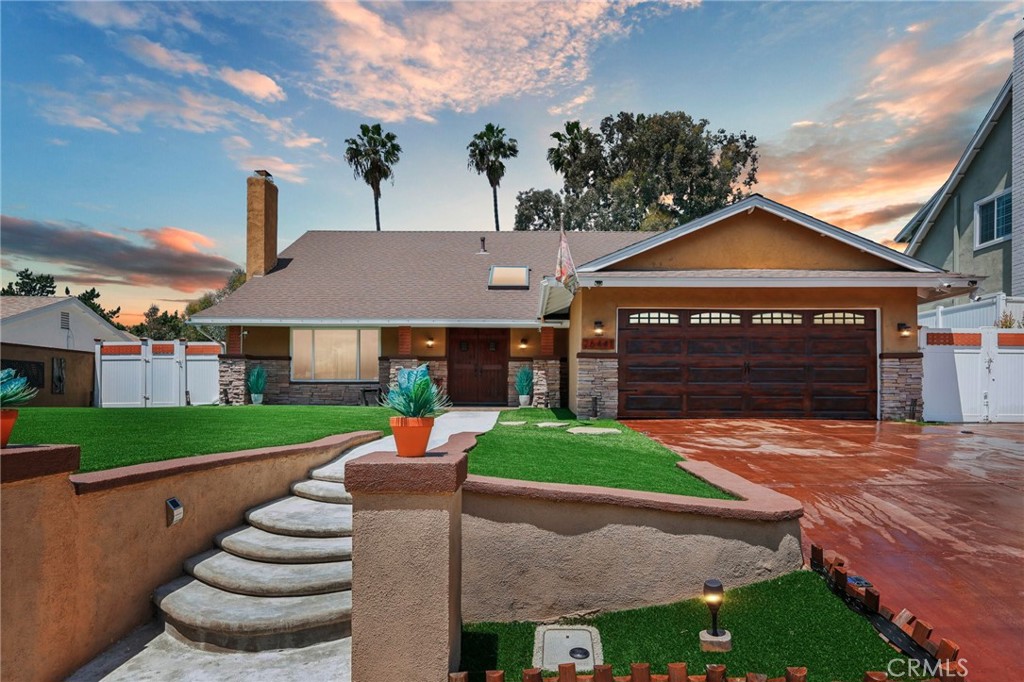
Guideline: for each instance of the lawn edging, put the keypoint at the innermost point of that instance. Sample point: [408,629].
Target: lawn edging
[80,566]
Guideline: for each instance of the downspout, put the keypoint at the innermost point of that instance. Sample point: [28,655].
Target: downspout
[956,235]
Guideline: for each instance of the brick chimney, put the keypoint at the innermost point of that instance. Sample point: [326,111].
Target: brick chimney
[261,224]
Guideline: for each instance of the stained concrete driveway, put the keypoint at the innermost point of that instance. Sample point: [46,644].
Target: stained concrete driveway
[933,515]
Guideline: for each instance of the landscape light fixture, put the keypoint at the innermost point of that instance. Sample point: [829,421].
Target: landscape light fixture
[522,342]
[714,593]
[598,328]
[904,329]
[430,342]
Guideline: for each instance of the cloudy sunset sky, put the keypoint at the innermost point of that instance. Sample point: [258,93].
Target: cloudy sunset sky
[128,129]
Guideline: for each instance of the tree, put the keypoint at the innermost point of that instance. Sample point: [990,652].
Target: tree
[372,155]
[30,284]
[208,300]
[649,172]
[161,325]
[538,209]
[487,153]
[90,299]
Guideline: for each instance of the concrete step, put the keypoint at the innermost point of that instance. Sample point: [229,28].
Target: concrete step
[333,472]
[324,491]
[207,615]
[259,545]
[244,576]
[301,517]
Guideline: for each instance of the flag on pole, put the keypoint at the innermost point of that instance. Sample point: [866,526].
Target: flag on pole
[565,269]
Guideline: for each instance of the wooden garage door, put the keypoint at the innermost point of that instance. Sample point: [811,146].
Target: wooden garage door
[747,363]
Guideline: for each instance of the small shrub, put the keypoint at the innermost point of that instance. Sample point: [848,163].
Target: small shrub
[256,382]
[14,389]
[1008,321]
[414,394]
[524,381]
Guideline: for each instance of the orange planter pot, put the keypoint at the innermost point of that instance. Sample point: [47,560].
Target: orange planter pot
[412,435]
[7,419]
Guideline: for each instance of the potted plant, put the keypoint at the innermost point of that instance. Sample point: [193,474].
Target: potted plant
[14,392]
[417,400]
[256,382]
[524,385]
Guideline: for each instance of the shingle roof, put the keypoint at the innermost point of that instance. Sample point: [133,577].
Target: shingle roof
[428,276]
[16,305]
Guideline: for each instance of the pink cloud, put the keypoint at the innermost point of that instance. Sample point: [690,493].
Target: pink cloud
[254,84]
[163,58]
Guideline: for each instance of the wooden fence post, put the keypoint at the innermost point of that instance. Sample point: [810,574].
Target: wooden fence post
[566,672]
[796,674]
[716,673]
[603,673]
[677,672]
[640,672]
[532,675]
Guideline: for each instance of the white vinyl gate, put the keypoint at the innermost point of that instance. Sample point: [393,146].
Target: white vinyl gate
[973,375]
[149,373]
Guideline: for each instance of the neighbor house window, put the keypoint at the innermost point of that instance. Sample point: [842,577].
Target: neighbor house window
[335,354]
[992,218]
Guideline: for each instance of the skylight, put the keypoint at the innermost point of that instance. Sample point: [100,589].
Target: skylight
[509,277]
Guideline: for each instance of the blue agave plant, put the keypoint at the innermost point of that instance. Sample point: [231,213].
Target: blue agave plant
[413,394]
[14,389]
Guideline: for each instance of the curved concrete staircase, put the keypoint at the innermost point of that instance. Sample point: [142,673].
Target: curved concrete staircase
[281,581]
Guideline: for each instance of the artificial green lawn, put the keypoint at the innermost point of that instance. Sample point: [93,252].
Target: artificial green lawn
[628,460]
[790,621]
[118,437]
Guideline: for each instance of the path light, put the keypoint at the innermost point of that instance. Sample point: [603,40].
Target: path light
[714,639]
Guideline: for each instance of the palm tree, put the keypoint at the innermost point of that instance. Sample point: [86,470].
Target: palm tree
[576,155]
[372,154]
[487,151]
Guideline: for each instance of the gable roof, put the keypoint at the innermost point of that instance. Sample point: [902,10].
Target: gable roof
[19,309]
[11,306]
[391,278]
[918,227]
[757,201]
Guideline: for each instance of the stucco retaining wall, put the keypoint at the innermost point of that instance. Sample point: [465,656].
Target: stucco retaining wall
[539,551]
[81,554]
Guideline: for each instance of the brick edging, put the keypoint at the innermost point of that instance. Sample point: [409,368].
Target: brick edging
[137,473]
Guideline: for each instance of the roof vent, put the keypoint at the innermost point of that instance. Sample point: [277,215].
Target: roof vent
[65,320]
[483,246]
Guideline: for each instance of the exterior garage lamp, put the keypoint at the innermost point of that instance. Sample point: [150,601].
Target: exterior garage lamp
[714,639]
[598,328]
[904,329]
[430,342]
[522,342]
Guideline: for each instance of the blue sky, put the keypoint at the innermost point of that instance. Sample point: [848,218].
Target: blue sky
[129,128]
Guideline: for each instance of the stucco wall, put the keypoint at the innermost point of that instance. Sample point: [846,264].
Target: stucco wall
[79,374]
[949,243]
[78,570]
[535,559]
[756,240]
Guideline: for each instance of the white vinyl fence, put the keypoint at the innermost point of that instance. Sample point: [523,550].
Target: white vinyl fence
[981,313]
[149,373]
[973,375]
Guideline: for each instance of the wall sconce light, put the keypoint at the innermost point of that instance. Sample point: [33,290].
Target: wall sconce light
[714,639]
[598,328]
[904,329]
[522,342]
[430,342]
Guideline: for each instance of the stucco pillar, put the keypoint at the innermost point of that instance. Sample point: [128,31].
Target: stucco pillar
[407,559]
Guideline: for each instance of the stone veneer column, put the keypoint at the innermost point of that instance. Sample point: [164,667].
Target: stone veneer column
[547,382]
[597,375]
[901,385]
[513,368]
[232,380]
[407,559]
[1017,168]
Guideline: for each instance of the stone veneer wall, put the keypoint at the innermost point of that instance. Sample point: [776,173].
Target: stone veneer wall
[437,368]
[281,390]
[232,381]
[547,382]
[900,386]
[597,376]
[513,367]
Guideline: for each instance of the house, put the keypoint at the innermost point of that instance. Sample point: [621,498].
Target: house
[50,340]
[970,223]
[754,310]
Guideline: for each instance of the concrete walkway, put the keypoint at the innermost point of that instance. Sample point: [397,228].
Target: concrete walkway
[933,516]
[151,655]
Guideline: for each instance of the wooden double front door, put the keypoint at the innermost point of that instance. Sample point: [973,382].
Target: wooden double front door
[478,366]
[747,363]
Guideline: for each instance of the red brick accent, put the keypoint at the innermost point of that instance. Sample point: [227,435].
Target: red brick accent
[163,349]
[405,342]
[121,350]
[202,350]
[547,342]
[953,339]
[234,340]
[1011,340]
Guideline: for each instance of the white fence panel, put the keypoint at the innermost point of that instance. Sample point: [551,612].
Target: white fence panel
[973,375]
[202,379]
[157,374]
[983,313]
